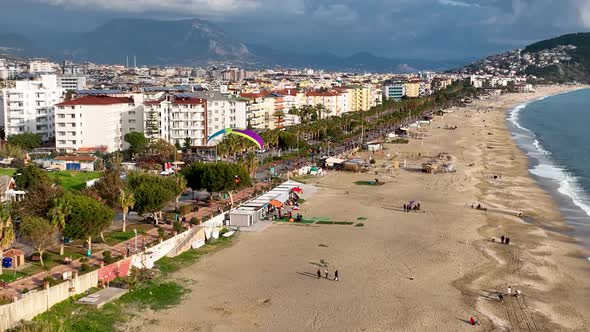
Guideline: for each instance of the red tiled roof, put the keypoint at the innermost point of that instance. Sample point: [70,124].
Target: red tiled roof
[152,102]
[188,101]
[252,95]
[95,149]
[96,100]
[75,158]
[287,92]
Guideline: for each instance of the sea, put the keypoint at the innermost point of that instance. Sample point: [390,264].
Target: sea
[554,132]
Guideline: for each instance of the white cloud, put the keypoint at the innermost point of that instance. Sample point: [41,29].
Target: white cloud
[201,8]
[458,3]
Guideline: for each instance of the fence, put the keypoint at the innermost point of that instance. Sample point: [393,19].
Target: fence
[39,301]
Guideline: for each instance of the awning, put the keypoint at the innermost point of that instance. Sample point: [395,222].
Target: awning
[276,203]
[297,190]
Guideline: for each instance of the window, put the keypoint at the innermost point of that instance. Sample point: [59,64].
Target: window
[62,142]
[72,124]
[61,124]
[73,142]
[131,112]
[73,107]
[72,116]
[73,133]
[61,133]
[131,120]
[61,116]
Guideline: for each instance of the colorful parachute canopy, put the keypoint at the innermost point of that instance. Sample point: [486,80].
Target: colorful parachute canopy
[248,134]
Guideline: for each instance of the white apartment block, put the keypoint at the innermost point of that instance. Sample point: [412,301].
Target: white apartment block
[177,117]
[69,82]
[29,106]
[42,66]
[96,121]
[223,112]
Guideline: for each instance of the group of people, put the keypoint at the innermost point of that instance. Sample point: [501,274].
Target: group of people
[409,207]
[327,274]
[510,292]
[504,239]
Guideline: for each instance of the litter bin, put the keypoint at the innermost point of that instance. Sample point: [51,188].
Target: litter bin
[7,262]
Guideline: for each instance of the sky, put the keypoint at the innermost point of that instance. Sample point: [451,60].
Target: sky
[425,29]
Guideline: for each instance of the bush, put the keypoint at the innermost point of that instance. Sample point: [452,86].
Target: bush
[24,290]
[372,161]
[161,232]
[195,221]
[107,256]
[186,209]
[83,259]
[84,267]
[177,225]
[223,231]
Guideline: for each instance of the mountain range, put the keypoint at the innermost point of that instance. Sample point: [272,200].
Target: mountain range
[194,42]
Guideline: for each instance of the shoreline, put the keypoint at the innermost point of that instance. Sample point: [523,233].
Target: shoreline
[405,271]
[549,174]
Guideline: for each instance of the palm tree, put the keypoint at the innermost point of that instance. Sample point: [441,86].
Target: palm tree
[6,233]
[126,201]
[251,163]
[58,214]
[279,117]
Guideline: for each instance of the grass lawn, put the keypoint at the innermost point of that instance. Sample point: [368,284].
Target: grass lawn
[361,218]
[7,171]
[113,238]
[73,180]
[323,222]
[304,178]
[303,221]
[8,275]
[369,183]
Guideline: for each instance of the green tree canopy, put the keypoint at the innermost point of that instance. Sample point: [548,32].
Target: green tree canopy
[27,141]
[153,192]
[218,177]
[137,142]
[109,186]
[31,177]
[86,217]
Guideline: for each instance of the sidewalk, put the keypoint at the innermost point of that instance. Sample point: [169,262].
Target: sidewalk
[120,249]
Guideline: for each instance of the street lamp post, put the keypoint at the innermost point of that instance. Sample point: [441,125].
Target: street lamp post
[135,231]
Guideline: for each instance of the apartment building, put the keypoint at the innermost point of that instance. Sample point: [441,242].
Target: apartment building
[177,117]
[29,106]
[412,88]
[96,121]
[360,99]
[70,82]
[42,66]
[333,101]
[223,111]
[257,110]
[394,90]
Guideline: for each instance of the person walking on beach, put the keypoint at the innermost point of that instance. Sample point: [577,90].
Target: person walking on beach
[502,239]
[472,321]
[501,297]
[507,241]
[404,207]
[509,290]
[336,275]
[517,292]
[326,272]
[319,273]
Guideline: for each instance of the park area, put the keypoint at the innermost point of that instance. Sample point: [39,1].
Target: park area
[69,180]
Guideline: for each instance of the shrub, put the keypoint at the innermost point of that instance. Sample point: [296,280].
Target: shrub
[161,232]
[84,267]
[372,161]
[186,209]
[223,231]
[24,290]
[107,256]
[195,221]
[83,259]
[177,225]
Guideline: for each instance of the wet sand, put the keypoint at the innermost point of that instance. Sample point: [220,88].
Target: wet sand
[266,281]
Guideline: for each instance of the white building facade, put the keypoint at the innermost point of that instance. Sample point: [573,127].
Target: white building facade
[69,82]
[176,118]
[29,106]
[223,112]
[92,122]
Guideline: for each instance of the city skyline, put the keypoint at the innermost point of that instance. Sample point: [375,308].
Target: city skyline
[425,29]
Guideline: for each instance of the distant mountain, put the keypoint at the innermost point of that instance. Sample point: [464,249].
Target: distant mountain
[574,67]
[185,42]
[562,59]
[15,44]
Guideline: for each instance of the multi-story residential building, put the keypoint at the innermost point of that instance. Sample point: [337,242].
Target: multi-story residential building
[29,106]
[412,88]
[360,98]
[177,117]
[394,90]
[256,112]
[69,82]
[223,111]
[331,100]
[96,121]
[42,66]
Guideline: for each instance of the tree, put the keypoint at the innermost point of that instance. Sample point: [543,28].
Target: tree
[6,233]
[187,144]
[87,217]
[218,177]
[152,192]
[279,118]
[137,142]
[126,202]
[31,177]
[163,149]
[40,232]
[152,125]
[251,163]
[27,141]
[109,186]
[37,202]
[58,214]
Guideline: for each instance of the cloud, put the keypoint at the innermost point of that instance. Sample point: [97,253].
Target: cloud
[458,3]
[205,8]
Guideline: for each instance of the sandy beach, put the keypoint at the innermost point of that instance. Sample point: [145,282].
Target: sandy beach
[266,281]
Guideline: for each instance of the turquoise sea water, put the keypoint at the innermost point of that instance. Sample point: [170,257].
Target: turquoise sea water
[555,133]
